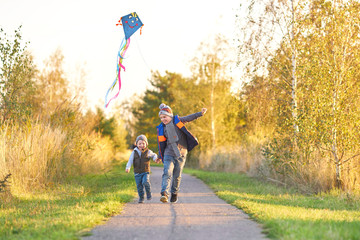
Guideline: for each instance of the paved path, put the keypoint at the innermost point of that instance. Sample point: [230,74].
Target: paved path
[199,214]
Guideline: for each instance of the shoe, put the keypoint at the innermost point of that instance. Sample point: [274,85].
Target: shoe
[173,198]
[141,200]
[164,198]
[149,198]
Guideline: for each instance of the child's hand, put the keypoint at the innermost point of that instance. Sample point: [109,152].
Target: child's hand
[127,170]
[203,111]
[158,160]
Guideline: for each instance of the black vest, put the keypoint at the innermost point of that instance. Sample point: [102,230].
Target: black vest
[141,163]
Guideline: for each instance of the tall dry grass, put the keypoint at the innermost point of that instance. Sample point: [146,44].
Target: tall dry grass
[309,173]
[250,159]
[232,159]
[97,156]
[34,155]
[38,155]
[245,156]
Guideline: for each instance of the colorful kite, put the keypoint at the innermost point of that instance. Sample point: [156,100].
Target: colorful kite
[131,23]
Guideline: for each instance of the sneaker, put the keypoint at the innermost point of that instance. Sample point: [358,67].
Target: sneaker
[164,198]
[173,198]
[149,198]
[141,200]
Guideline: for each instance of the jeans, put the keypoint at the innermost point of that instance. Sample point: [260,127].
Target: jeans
[143,180]
[173,168]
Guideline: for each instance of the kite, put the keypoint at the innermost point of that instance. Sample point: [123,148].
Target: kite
[131,23]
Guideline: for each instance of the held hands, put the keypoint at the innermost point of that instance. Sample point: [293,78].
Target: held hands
[203,111]
[127,170]
[158,160]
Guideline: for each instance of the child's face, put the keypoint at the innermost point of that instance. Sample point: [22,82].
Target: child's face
[141,145]
[165,119]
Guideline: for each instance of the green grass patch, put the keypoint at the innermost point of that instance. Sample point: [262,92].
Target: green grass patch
[286,214]
[66,210]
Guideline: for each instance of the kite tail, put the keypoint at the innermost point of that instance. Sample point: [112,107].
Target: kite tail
[122,50]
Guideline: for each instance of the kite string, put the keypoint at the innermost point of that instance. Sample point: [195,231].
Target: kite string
[142,56]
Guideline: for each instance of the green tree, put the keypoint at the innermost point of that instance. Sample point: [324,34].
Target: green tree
[212,87]
[16,78]
[145,109]
[333,42]
[112,127]
[327,96]
[52,85]
[105,126]
[258,100]
[208,87]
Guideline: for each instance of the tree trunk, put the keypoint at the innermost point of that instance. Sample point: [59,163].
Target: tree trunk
[213,133]
[336,92]
[293,76]
[334,139]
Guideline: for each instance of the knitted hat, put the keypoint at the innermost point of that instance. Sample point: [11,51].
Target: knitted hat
[165,110]
[141,137]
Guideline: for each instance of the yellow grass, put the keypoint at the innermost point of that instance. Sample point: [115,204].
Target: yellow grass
[40,155]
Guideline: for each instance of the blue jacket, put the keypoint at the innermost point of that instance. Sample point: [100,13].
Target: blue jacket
[190,139]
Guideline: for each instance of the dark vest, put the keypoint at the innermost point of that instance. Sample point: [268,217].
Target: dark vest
[141,163]
[190,139]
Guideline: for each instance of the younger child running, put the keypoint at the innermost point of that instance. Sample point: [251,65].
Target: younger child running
[140,158]
[174,142]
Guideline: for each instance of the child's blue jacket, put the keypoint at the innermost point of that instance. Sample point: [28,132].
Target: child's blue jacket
[190,139]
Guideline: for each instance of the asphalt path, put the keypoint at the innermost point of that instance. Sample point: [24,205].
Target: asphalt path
[198,214]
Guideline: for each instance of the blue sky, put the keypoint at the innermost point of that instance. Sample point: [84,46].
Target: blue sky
[87,34]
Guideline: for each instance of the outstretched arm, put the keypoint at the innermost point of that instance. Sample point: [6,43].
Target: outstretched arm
[152,155]
[193,116]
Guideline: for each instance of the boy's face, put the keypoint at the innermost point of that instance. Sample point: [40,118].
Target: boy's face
[141,145]
[165,119]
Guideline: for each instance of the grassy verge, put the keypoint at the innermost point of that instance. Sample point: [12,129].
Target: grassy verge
[286,214]
[64,211]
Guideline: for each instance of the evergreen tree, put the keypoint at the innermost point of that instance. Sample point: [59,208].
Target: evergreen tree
[145,109]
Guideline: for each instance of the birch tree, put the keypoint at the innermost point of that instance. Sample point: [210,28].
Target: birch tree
[333,30]
[16,78]
[267,27]
[209,67]
[327,95]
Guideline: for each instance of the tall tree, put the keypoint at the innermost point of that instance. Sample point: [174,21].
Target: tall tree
[145,109]
[327,93]
[16,78]
[270,25]
[52,84]
[209,71]
[258,99]
[333,30]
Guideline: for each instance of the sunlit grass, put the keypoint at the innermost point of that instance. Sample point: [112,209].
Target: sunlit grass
[66,210]
[285,213]
[39,155]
